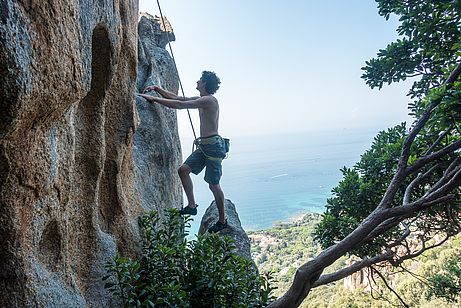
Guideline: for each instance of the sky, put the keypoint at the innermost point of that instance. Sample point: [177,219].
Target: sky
[286,66]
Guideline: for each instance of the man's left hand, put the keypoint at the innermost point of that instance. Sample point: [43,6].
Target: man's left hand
[147,97]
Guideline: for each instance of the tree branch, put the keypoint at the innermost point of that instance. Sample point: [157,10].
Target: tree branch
[401,259]
[389,287]
[416,276]
[446,184]
[417,181]
[310,272]
[357,266]
[419,205]
[439,139]
[424,118]
[453,218]
[434,156]
[448,173]
[402,237]
[454,74]
[414,75]
[434,196]
[381,228]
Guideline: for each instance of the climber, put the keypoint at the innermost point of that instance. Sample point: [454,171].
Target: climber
[211,148]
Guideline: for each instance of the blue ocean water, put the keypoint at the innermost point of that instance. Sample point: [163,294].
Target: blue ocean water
[275,178]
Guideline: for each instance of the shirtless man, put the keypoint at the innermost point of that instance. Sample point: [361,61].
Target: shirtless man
[211,148]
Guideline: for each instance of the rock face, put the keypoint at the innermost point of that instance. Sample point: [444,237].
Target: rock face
[357,280]
[156,147]
[234,229]
[70,193]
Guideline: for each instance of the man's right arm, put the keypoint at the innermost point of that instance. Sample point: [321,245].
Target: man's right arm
[201,102]
[167,94]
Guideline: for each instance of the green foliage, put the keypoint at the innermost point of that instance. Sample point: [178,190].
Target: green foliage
[361,190]
[280,250]
[429,47]
[219,278]
[364,185]
[176,273]
[125,271]
[297,237]
[447,282]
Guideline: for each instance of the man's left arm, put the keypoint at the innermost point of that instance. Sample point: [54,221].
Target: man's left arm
[177,104]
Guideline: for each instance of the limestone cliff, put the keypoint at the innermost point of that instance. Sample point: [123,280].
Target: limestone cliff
[156,147]
[74,175]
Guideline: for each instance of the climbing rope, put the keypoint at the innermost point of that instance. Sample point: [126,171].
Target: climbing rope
[176,68]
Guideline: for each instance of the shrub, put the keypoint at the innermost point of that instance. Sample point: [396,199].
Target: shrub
[174,272]
[446,283]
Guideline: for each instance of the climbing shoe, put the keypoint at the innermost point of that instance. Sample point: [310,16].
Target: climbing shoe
[218,226]
[188,210]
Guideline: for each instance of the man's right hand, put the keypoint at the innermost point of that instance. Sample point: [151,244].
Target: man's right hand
[151,88]
[162,92]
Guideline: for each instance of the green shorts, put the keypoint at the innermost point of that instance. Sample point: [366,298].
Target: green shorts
[210,153]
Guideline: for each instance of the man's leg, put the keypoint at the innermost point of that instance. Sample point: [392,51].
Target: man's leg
[184,174]
[219,199]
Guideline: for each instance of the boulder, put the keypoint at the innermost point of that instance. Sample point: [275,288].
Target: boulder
[233,230]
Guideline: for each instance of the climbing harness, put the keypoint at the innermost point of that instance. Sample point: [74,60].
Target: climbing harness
[212,140]
[176,68]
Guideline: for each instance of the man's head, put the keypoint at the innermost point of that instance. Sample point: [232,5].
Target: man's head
[211,81]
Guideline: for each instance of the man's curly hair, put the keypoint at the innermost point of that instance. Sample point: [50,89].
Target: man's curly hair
[211,81]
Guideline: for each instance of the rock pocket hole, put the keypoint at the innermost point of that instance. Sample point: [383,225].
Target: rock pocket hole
[101,67]
[50,246]
[90,113]
[108,198]
[8,90]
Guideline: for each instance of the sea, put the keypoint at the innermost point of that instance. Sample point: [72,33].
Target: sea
[276,178]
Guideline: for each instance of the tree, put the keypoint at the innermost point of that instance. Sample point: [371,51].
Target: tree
[402,198]
[447,282]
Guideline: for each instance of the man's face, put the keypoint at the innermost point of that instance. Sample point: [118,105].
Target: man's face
[200,84]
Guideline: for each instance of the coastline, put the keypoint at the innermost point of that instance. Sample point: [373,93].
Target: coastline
[291,221]
[278,182]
